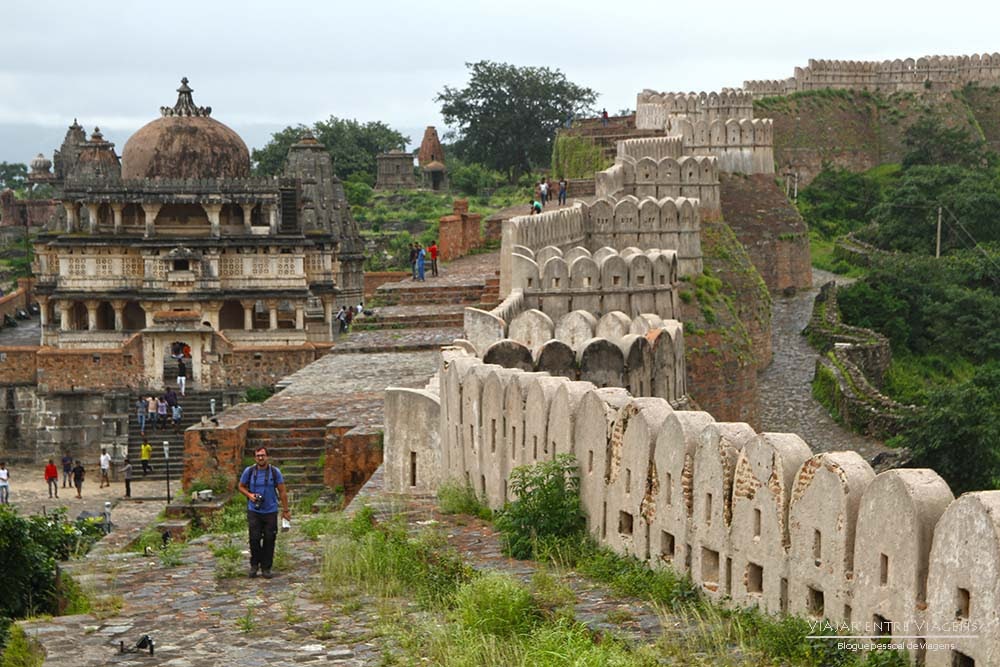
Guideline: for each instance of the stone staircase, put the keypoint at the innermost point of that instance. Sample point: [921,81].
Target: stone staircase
[413,305]
[194,404]
[296,447]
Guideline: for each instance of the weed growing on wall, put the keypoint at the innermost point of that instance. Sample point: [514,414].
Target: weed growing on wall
[456,498]
[547,506]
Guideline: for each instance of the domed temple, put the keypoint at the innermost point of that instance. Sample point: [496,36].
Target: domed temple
[175,241]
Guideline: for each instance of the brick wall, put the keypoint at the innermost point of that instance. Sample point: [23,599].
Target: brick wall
[460,232]
[211,452]
[18,365]
[375,279]
[38,211]
[262,366]
[351,458]
[96,369]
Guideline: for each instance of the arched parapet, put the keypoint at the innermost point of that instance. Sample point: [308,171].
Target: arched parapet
[509,354]
[668,174]
[632,479]
[603,253]
[465,345]
[674,461]
[614,282]
[822,517]
[562,417]
[613,325]
[541,389]
[576,327]
[641,284]
[643,323]
[554,298]
[595,420]
[626,222]
[762,483]
[668,378]
[715,455]
[649,223]
[453,368]
[531,328]
[600,224]
[584,274]
[524,273]
[482,328]
[963,587]
[471,421]
[494,455]
[514,413]
[602,363]
[575,253]
[547,253]
[413,456]
[638,354]
[629,251]
[892,545]
[665,278]
[523,250]
[557,359]
[645,177]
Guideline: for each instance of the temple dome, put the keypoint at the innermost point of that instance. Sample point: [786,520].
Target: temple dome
[185,142]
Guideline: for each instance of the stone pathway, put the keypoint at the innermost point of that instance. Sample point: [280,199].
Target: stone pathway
[198,619]
[784,390]
[27,332]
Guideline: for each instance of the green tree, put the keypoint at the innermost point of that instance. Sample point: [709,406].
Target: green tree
[352,146]
[13,175]
[507,116]
[929,142]
[955,434]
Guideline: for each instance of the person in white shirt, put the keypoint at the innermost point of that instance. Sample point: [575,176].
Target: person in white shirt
[105,468]
[4,484]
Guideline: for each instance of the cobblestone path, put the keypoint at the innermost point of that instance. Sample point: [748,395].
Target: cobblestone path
[784,391]
[200,620]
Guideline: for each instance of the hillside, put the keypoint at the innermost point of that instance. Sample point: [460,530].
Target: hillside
[858,130]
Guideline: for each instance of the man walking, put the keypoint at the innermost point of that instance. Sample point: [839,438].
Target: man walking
[140,414]
[182,372]
[52,479]
[263,485]
[433,252]
[105,469]
[78,473]
[67,464]
[145,454]
[128,478]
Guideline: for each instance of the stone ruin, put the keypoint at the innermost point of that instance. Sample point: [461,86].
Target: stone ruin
[937,73]
[755,519]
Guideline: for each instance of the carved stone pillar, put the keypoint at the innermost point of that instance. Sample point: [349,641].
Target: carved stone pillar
[272,311]
[151,211]
[300,317]
[247,315]
[43,311]
[328,310]
[71,218]
[247,213]
[149,307]
[92,210]
[91,314]
[119,306]
[272,219]
[117,209]
[64,309]
[213,211]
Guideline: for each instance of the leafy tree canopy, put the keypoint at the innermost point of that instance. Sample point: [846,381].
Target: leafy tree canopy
[507,116]
[929,142]
[13,175]
[352,146]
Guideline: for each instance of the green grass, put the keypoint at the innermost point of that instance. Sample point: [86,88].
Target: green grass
[456,498]
[911,378]
[21,650]
[822,253]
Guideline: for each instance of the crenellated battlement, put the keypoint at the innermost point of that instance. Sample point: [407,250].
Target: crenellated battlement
[927,73]
[653,109]
[755,519]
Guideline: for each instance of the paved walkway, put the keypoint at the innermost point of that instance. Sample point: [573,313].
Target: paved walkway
[27,332]
[784,389]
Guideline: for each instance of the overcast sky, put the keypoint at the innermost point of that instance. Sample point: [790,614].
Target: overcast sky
[264,65]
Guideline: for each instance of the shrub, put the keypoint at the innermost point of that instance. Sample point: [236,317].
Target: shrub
[547,505]
[495,604]
[258,394]
[455,498]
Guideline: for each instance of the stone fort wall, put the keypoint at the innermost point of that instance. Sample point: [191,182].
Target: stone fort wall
[755,519]
[927,73]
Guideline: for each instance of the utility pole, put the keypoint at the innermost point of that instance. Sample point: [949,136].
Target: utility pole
[937,250]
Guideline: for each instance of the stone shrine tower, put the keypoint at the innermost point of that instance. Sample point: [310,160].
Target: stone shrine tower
[430,157]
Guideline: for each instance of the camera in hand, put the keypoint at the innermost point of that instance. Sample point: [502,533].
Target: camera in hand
[258,500]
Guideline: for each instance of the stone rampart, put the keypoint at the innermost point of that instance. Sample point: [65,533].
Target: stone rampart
[653,109]
[938,73]
[692,177]
[756,520]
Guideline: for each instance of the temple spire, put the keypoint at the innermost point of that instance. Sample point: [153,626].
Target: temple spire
[185,103]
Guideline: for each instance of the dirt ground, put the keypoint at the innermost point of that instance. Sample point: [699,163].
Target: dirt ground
[29,494]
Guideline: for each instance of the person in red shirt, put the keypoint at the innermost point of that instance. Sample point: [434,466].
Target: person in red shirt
[433,250]
[52,479]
